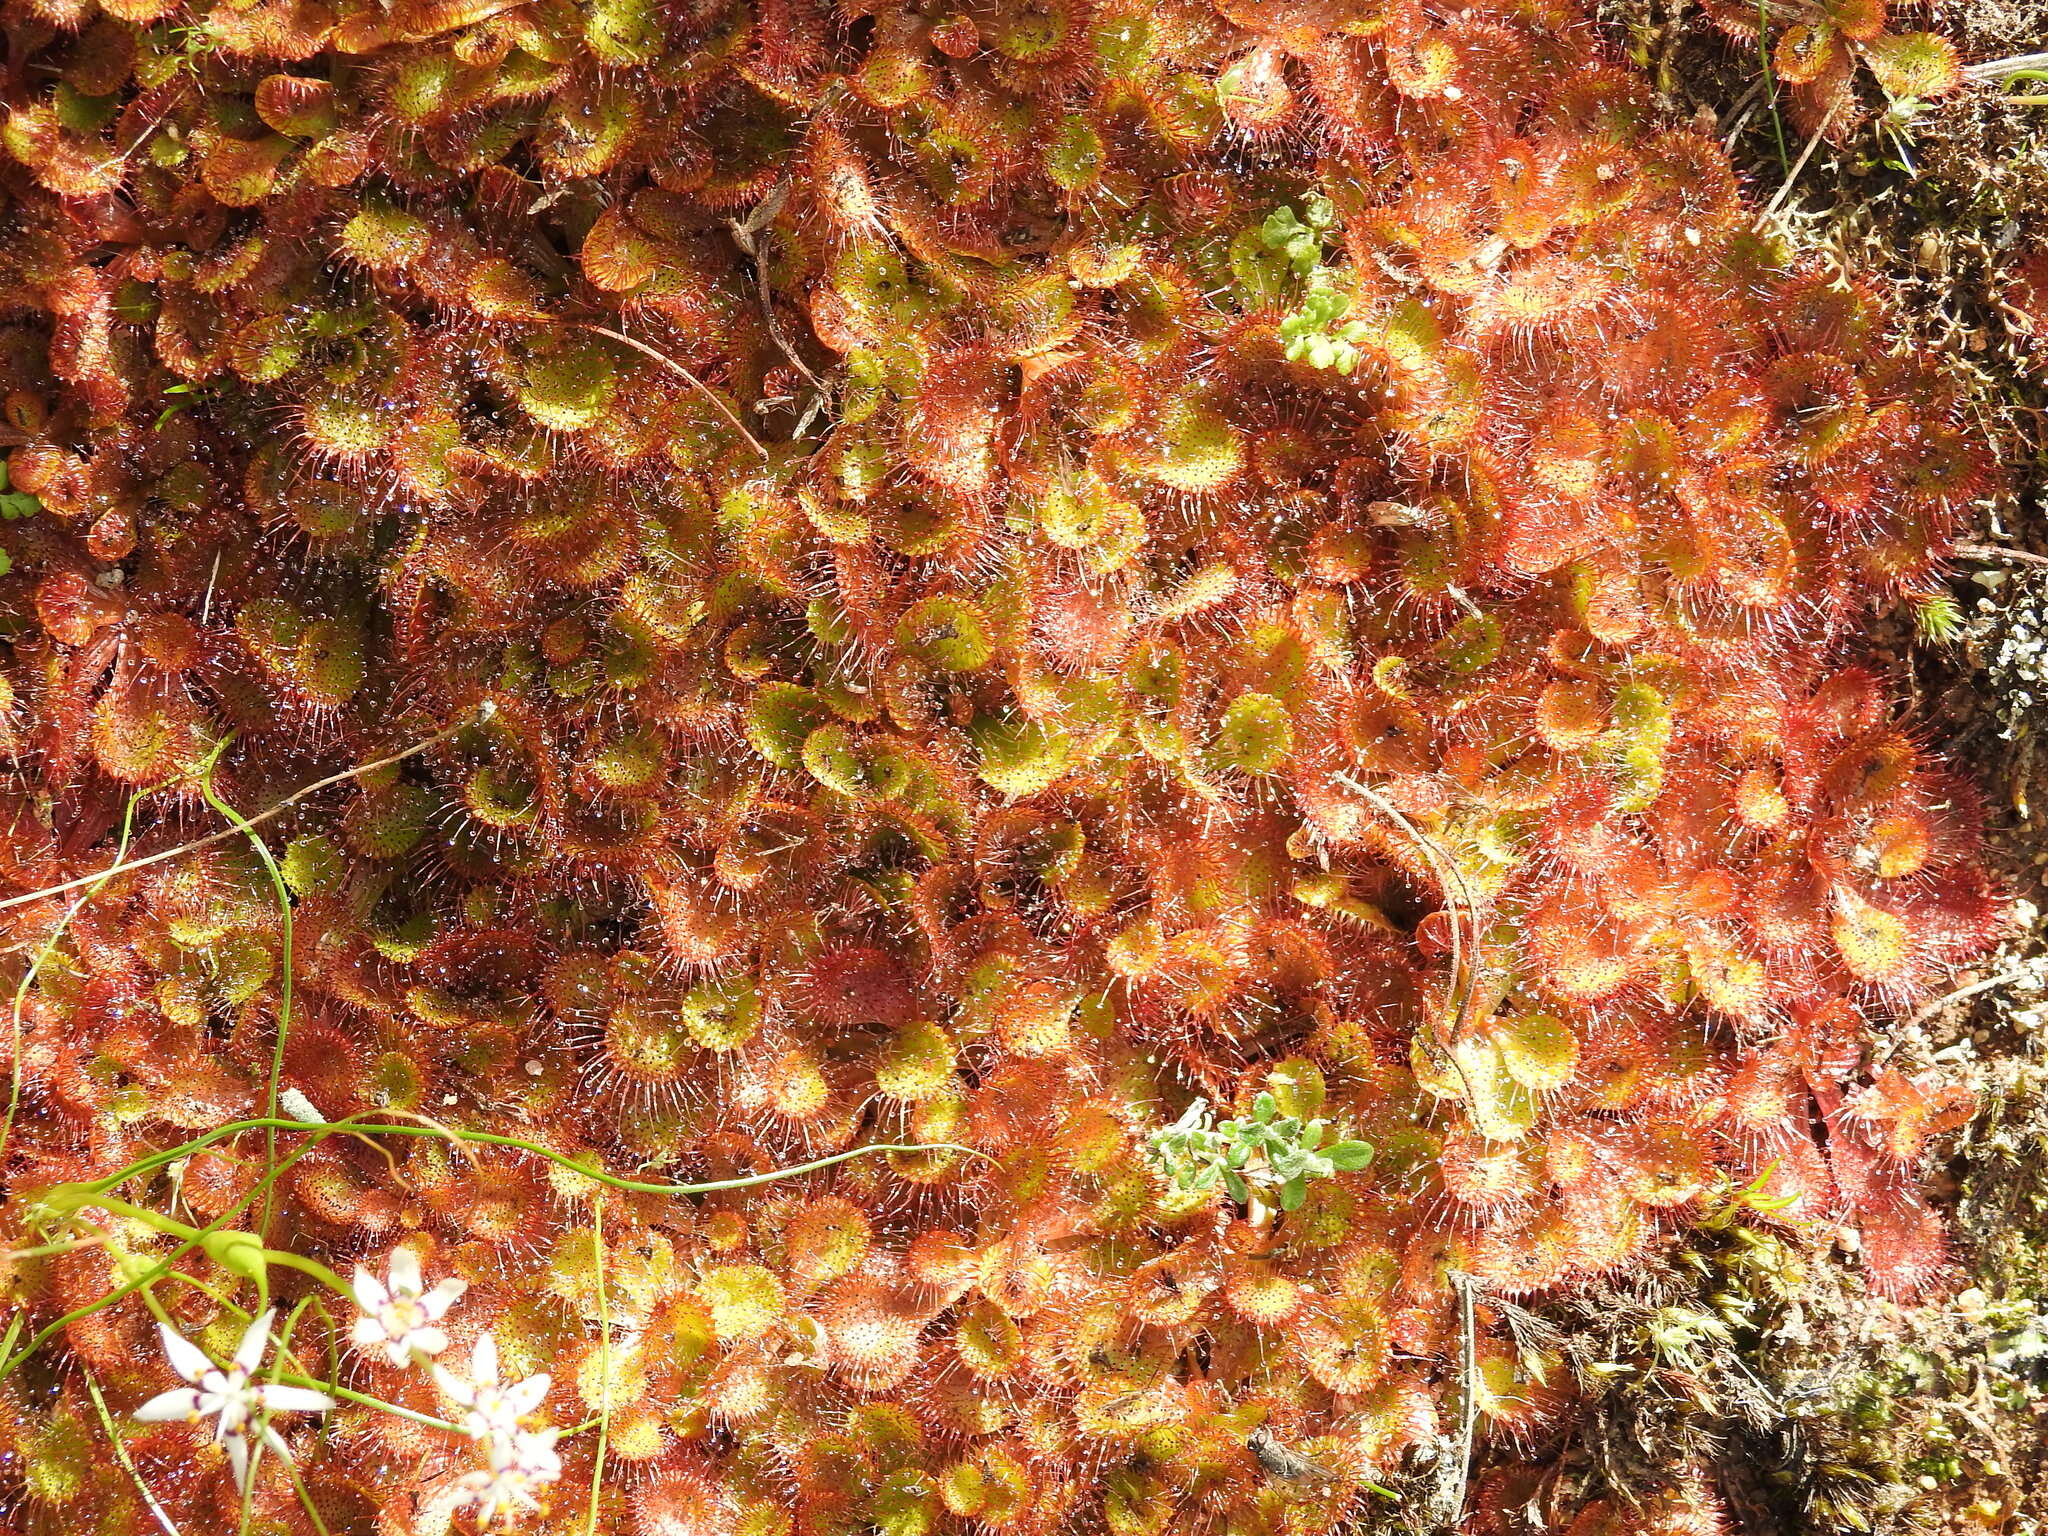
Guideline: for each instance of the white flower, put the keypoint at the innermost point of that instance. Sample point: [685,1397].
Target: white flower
[400,1316]
[229,1397]
[491,1409]
[521,1463]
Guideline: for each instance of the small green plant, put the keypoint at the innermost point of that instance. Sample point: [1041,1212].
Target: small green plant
[1763,53]
[15,505]
[1313,335]
[1937,618]
[2023,99]
[1895,128]
[1268,1151]
[1300,238]
[186,396]
[1311,332]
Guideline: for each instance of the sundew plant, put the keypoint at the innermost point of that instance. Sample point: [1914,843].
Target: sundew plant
[776,769]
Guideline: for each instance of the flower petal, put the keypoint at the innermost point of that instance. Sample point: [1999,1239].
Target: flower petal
[238,1458]
[369,1290]
[255,1339]
[483,1361]
[443,1296]
[428,1341]
[527,1395]
[283,1399]
[166,1407]
[454,1388]
[535,1453]
[186,1358]
[405,1272]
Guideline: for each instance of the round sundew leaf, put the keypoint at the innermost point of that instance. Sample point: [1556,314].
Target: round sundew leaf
[963,1489]
[826,1239]
[1875,944]
[498,800]
[648,1043]
[1196,449]
[746,1301]
[1570,714]
[313,865]
[905,1505]
[1034,1018]
[1537,1050]
[1641,733]
[1728,979]
[858,767]
[1073,156]
[917,1062]
[1901,844]
[388,824]
[629,762]
[1254,736]
[946,632]
[1501,1108]
[1021,757]
[988,1341]
[1910,64]
[781,717]
[396,1081]
[722,1015]
[1087,516]
[570,388]
[1296,1085]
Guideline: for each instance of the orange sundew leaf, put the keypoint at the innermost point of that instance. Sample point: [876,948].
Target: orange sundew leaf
[1918,64]
[1908,1113]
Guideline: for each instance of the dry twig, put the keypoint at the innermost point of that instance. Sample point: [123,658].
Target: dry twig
[683,373]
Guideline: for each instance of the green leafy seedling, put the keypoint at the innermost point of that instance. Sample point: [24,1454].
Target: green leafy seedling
[1300,238]
[15,505]
[1313,336]
[1268,1152]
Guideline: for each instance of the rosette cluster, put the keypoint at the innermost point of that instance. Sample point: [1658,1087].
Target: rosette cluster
[989,634]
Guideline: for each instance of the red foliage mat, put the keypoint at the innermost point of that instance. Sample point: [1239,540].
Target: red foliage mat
[1093,707]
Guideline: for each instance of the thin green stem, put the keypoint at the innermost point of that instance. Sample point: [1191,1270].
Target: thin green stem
[284,982]
[245,1316]
[71,1197]
[1763,51]
[169,1225]
[305,1498]
[305,1266]
[47,1250]
[290,800]
[218,1297]
[277,1362]
[604,1365]
[121,1455]
[172,1227]
[349,1394]
[323,1129]
[13,1362]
